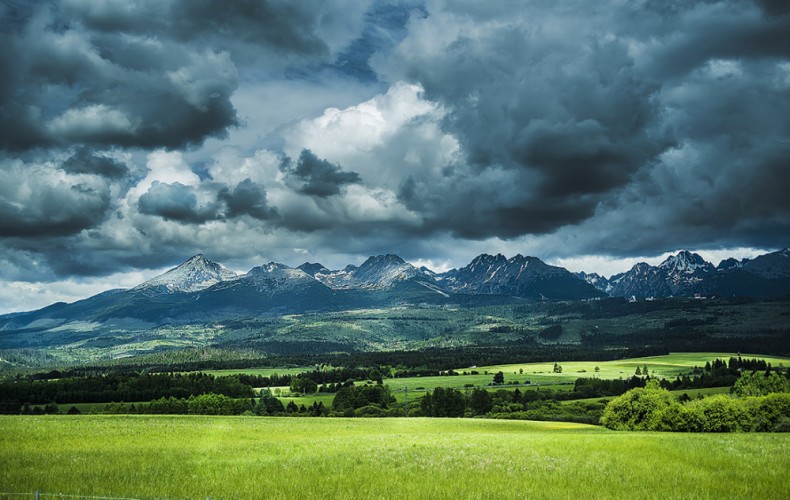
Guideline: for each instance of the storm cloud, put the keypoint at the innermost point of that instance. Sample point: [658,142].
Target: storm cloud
[317,177]
[134,134]
[247,198]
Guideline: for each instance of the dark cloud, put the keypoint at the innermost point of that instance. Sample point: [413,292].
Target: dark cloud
[317,177]
[175,202]
[37,201]
[285,27]
[550,122]
[62,86]
[247,198]
[103,73]
[180,203]
[570,118]
[775,7]
[86,161]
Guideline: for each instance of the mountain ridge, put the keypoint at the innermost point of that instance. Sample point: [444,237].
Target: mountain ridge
[387,279]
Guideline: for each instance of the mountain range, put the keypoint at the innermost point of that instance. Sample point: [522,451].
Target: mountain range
[688,274]
[202,291]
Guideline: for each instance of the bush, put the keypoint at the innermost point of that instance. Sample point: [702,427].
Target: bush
[369,411]
[722,413]
[760,384]
[649,409]
[638,409]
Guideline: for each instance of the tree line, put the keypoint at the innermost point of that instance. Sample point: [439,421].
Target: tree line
[118,387]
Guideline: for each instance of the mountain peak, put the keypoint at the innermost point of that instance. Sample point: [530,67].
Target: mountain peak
[195,274]
[378,271]
[313,268]
[389,258]
[686,262]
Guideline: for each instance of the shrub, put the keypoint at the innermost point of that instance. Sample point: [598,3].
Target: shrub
[369,411]
[637,409]
[721,413]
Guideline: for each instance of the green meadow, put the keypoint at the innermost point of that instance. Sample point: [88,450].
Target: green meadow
[240,457]
[541,375]
[667,366]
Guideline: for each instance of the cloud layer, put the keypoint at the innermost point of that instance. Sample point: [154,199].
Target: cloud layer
[134,134]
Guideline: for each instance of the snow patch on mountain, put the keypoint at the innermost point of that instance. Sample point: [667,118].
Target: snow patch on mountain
[596,280]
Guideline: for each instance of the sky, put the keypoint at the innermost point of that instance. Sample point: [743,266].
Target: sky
[594,135]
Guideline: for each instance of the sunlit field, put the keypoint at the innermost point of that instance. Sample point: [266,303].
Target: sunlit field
[240,457]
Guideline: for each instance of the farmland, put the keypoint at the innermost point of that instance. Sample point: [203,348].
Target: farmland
[193,456]
[541,375]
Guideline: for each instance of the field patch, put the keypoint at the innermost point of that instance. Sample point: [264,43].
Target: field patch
[192,456]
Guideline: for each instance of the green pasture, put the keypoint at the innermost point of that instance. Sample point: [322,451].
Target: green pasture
[668,366]
[542,374]
[245,457]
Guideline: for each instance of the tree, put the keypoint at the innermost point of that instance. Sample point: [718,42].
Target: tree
[304,385]
[760,384]
[638,371]
[480,402]
[638,409]
[375,376]
[557,368]
[499,378]
[351,398]
[443,403]
[269,405]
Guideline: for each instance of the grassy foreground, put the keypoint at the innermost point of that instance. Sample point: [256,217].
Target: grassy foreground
[240,457]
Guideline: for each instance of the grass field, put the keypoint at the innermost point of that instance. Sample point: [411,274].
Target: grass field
[541,374]
[667,366]
[238,457]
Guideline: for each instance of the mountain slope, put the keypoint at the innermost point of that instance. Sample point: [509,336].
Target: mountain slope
[764,276]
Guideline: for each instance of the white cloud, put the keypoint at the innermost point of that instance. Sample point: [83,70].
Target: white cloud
[86,123]
[230,166]
[31,295]
[339,135]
